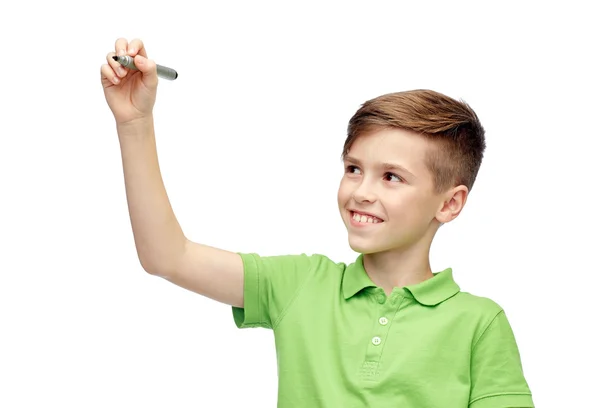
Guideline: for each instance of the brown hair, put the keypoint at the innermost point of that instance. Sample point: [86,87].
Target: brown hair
[452,125]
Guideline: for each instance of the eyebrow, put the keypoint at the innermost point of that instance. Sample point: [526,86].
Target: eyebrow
[387,166]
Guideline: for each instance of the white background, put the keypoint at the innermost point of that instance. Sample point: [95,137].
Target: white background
[249,139]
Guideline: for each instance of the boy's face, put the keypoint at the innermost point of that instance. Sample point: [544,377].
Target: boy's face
[385,176]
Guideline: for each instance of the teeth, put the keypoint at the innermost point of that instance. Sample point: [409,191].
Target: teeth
[365,219]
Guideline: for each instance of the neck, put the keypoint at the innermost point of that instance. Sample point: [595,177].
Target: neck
[399,267]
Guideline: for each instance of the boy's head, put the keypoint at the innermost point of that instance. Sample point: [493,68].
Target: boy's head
[410,159]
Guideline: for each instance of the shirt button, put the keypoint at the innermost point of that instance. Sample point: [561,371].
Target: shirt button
[381,299]
[376,341]
[383,321]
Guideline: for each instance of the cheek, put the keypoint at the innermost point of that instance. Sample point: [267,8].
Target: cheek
[343,193]
[405,206]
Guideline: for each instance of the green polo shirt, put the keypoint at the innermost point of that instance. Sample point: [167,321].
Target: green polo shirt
[341,342]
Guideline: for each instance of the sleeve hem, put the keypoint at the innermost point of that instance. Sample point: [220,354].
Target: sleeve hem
[520,400]
[249,315]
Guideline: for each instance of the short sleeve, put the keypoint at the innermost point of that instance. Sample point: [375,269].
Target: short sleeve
[270,286]
[497,379]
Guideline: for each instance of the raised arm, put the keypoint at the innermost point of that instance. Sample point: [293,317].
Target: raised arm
[162,248]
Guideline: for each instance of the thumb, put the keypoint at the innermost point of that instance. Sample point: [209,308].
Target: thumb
[148,69]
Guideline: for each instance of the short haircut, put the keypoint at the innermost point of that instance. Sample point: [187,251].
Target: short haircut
[452,125]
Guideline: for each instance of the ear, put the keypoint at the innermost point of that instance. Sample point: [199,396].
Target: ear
[453,203]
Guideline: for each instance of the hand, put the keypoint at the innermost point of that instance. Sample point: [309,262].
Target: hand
[130,94]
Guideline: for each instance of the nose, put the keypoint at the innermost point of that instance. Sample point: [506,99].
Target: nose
[364,193]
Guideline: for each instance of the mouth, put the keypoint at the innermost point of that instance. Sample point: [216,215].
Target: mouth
[361,218]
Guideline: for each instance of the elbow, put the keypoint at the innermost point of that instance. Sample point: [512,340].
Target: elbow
[164,266]
[155,269]
[149,268]
[164,263]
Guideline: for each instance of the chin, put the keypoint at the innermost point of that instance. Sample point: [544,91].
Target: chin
[362,247]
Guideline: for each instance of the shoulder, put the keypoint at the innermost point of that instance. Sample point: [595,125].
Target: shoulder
[316,271]
[325,269]
[301,263]
[318,262]
[469,302]
[480,310]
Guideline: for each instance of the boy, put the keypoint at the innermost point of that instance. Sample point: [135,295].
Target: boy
[384,331]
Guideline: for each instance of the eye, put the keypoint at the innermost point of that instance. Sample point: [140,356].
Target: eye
[352,169]
[393,177]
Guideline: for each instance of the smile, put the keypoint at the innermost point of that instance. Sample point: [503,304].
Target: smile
[362,219]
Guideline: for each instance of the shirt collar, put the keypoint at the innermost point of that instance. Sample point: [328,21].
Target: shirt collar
[429,292]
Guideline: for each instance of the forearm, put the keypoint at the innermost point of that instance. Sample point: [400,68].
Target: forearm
[159,239]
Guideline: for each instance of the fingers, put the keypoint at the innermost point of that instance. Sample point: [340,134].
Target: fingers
[133,48]
[119,69]
[148,69]
[108,75]
[121,46]
[112,71]
[136,47]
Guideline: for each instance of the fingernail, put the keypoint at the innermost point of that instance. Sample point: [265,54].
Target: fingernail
[132,51]
[122,52]
[121,71]
[115,80]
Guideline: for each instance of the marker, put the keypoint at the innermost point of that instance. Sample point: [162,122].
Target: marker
[163,72]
